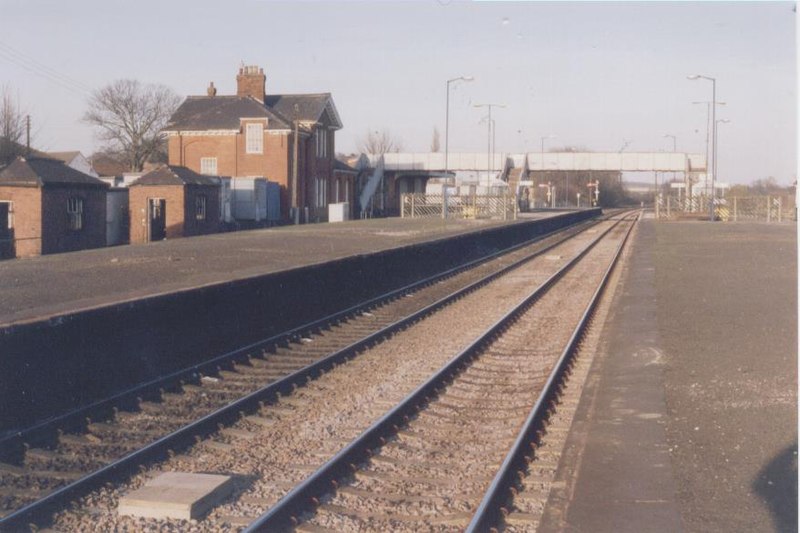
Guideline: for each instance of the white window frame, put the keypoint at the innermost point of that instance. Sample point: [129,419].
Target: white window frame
[208,166]
[254,138]
[75,213]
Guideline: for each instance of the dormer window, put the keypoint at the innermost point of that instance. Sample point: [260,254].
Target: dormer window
[254,138]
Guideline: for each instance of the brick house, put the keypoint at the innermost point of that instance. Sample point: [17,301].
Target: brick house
[47,207]
[253,134]
[172,202]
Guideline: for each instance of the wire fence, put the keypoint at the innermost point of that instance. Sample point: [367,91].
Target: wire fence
[420,205]
[768,208]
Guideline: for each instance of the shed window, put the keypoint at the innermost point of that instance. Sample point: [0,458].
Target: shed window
[200,206]
[208,166]
[75,213]
[255,139]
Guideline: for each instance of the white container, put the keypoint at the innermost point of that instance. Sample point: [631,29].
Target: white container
[338,212]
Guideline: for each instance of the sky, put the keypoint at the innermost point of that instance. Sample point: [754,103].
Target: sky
[596,75]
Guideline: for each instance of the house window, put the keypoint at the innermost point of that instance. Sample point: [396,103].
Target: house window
[322,143]
[75,213]
[6,217]
[255,139]
[321,189]
[208,166]
[200,206]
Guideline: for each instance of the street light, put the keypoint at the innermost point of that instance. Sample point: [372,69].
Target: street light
[447,118]
[716,159]
[489,167]
[707,103]
[551,136]
[713,134]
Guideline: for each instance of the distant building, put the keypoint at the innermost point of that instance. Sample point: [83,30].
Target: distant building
[47,207]
[76,160]
[253,134]
[172,202]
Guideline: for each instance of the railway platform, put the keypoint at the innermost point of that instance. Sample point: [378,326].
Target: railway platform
[688,421]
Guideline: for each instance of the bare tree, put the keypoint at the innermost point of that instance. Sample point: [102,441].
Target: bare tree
[130,116]
[379,142]
[12,127]
[435,147]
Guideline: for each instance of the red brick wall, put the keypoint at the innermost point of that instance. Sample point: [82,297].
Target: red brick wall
[57,236]
[275,163]
[138,198]
[27,231]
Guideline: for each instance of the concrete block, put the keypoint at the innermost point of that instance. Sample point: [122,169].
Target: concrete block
[177,495]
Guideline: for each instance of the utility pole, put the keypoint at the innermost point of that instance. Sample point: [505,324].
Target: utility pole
[27,135]
[489,165]
[295,208]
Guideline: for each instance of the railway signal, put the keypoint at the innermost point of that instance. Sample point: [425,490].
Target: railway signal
[596,186]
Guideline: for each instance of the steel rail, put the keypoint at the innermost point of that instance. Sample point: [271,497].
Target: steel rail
[283,515]
[161,448]
[491,510]
[44,430]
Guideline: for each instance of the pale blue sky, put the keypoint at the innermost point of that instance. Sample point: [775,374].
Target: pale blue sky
[591,73]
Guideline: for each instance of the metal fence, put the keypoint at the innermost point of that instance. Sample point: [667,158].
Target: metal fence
[419,205]
[771,208]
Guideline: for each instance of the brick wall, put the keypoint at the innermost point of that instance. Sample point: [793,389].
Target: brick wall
[27,213]
[57,236]
[138,198]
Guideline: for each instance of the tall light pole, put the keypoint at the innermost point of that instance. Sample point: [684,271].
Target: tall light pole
[447,118]
[716,159]
[490,163]
[707,103]
[674,149]
[713,135]
[551,136]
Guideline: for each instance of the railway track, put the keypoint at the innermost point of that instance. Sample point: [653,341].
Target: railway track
[51,464]
[427,464]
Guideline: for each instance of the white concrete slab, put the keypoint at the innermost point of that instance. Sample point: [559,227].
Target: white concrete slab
[176,495]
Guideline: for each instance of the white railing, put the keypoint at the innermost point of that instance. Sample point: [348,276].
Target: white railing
[418,205]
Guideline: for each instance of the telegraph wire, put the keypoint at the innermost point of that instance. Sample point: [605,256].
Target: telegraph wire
[31,65]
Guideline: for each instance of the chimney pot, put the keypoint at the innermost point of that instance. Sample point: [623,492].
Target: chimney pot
[211,91]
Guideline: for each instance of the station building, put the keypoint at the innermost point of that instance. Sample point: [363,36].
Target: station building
[48,207]
[172,202]
[255,134]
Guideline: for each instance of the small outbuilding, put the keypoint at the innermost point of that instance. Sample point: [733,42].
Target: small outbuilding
[47,207]
[173,201]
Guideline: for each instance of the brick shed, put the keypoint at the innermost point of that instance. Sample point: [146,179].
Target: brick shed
[173,201]
[47,207]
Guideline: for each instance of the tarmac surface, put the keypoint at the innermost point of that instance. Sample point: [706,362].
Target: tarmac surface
[46,286]
[689,418]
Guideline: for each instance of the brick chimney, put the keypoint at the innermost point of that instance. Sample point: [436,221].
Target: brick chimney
[251,81]
[211,91]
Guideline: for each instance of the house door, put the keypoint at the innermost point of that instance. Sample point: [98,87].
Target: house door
[157,210]
[6,236]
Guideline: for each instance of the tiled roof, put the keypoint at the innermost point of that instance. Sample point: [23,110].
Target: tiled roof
[199,113]
[40,172]
[175,175]
[341,165]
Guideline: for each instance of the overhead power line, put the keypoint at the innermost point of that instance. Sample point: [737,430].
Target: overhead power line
[33,66]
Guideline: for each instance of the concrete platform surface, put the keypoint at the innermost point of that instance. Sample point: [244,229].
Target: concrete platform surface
[176,495]
[689,418]
[42,287]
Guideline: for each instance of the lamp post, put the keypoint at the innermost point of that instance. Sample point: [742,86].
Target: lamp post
[447,118]
[713,135]
[707,103]
[551,136]
[716,159]
[489,139]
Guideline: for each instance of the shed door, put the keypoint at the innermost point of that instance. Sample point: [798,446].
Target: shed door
[6,237]
[157,210]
